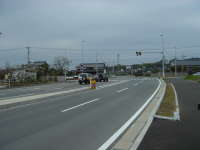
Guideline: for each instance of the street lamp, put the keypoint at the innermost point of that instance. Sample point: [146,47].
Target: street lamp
[1,34]
[82,49]
[175,64]
[163,54]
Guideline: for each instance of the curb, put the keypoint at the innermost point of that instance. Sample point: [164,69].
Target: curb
[135,132]
[6,103]
[177,113]
[141,135]
[116,136]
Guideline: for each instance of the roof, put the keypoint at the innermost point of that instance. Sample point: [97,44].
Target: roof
[101,65]
[187,62]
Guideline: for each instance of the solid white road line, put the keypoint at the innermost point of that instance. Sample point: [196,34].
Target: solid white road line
[119,91]
[11,100]
[80,105]
[121,130]
[17,96]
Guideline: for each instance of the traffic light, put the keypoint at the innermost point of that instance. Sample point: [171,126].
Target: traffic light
[138,53]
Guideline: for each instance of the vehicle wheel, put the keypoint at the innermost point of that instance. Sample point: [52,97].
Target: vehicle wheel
[80,82]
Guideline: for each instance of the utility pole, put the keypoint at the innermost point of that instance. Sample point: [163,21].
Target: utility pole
[28,54]
[175,65]
[97,57]
[96,62]
[163,55]
[82,51]
[113,62]
[183,58]
[118,63]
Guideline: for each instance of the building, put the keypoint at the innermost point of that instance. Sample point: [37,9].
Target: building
[34,66]
[187,65]
[23,74]
[91,68]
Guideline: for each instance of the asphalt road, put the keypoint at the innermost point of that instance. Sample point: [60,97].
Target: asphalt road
[177,135]
[83,120]
[45,88]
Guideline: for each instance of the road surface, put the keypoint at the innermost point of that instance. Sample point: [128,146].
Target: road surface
[82,120]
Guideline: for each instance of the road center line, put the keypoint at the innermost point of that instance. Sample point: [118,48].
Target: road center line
[17,96]
[119,91]
[80,105]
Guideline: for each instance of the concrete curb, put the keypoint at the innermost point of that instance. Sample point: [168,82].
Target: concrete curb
[148,123]
[176,115]
[6,103]
[133,136]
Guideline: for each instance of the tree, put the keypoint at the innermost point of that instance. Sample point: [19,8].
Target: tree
[61,63]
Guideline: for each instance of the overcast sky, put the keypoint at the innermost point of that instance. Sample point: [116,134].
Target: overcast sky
[108,27]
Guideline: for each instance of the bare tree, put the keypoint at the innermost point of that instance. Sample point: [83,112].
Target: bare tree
[7,67]
[61,62]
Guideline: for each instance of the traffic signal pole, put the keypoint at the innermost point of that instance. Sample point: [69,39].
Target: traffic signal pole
[139,53]
[163,55]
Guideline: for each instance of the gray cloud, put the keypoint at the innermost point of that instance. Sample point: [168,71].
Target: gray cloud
[109,27]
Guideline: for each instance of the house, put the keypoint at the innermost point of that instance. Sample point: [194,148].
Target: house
[23,74]
[34,66]
[91,68]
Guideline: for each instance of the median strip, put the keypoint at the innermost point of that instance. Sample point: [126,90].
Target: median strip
[80,105]
[25,98]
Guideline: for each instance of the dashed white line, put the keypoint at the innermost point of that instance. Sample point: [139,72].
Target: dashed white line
[58,88]
[135,84]
[80,105]
[119,91]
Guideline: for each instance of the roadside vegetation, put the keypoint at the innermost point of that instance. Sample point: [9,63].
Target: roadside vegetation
[192,77]
[168,105]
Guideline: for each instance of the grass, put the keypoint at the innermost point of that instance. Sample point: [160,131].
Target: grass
[192,77]
[168,105]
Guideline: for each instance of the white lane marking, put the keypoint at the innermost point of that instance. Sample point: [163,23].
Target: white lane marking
[11,100]
[135,84]
[121,130]
[119,91]
[58,88]
[37,88]
[17,96]
[80,105]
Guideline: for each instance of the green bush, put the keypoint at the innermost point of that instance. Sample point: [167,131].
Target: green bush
[192,77]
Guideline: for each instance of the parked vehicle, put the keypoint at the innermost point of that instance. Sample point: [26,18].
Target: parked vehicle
[84,78]
[101,77]
[139,73]
[69,78]
[148,73]
[75,77]
[196,74]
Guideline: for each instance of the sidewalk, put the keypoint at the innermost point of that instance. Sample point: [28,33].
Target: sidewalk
[177,135]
